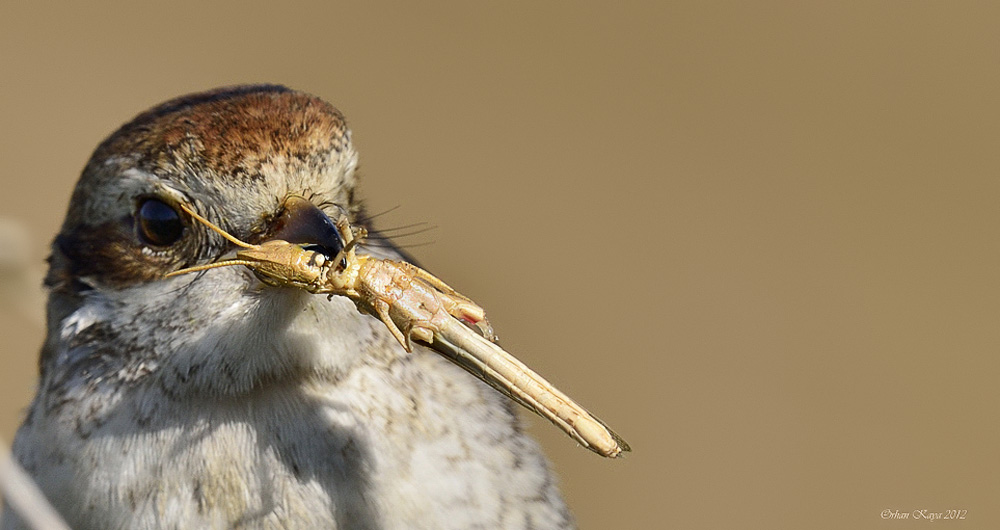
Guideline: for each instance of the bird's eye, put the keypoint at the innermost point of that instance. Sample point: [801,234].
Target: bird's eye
[159,224]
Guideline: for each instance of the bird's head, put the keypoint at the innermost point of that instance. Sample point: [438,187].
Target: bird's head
[236,155]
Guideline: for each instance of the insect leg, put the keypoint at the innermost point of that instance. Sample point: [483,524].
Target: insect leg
[435,282]
[382,309]
[423,333]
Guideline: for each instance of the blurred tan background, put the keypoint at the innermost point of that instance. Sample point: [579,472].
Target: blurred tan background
[760,241]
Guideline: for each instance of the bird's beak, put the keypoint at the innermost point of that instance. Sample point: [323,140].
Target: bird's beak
[294,246]
[302,223]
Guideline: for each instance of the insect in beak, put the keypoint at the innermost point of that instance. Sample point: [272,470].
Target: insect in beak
[428,310]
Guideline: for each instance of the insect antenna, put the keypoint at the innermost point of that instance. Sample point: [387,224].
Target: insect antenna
[216,265]
[215,228]
[221,232]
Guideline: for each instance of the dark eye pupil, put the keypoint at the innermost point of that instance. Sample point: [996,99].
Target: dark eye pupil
[159,224]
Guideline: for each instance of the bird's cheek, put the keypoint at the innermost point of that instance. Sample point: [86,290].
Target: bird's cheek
[109,254]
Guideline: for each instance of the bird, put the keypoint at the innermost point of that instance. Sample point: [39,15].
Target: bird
[217,400]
